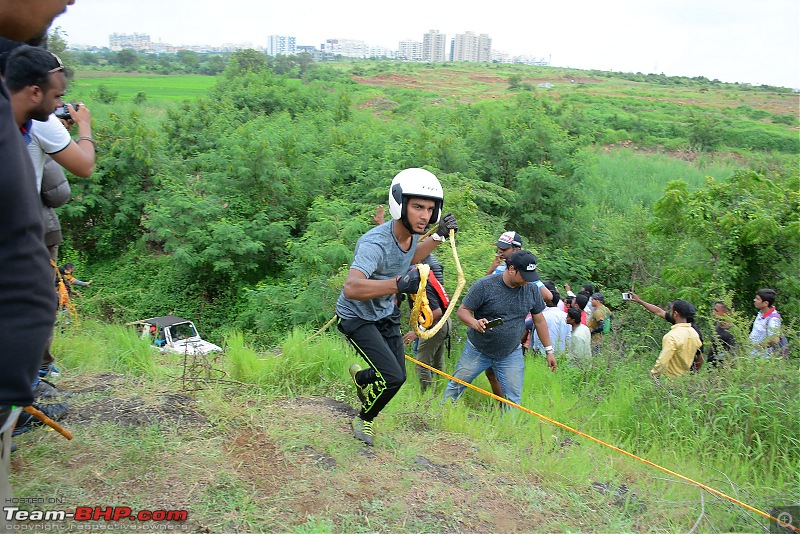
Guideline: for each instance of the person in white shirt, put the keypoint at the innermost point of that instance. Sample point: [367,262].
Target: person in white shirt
[557,327]
[581,339]
[766,333]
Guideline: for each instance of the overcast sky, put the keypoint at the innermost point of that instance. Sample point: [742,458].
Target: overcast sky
[752,41]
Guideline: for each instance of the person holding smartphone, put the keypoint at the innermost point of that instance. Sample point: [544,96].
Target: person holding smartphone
[508,296]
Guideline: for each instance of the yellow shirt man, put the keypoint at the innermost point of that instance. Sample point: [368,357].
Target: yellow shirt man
[678,348]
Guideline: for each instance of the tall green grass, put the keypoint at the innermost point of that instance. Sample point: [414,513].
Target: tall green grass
[629,178]
[88,346]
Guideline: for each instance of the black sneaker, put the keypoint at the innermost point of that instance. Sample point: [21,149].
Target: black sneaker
[361,391]
[47,390]
[27,422]
[362,430]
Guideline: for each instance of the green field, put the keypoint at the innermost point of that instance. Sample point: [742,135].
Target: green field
[158,89]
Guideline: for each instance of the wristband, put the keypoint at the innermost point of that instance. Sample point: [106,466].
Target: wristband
[437,237]
[549,349]
[87,138]
[539,283]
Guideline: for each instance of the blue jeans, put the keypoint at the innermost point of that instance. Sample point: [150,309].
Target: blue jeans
[509,370]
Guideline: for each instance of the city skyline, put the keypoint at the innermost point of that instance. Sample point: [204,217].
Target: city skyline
[733,41]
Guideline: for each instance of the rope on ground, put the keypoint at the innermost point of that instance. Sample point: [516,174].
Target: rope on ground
[49,422]
[325,327]
[603,443]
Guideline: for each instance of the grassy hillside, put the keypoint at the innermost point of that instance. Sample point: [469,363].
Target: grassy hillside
[265,445]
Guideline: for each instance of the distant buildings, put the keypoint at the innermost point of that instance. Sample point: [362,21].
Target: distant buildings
[281,45]
[471,48]
[433,48]
[129,41]
[409,50]
[346,48]
[433,44]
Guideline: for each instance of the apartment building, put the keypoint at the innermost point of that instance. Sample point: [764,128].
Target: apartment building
[409,50]
[471,48]
[281,45]
[346,48]
[433,46]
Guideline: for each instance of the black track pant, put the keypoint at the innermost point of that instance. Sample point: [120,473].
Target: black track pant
[381,346]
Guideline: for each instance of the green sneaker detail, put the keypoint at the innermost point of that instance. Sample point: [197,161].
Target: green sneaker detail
[361,391]
[362,430]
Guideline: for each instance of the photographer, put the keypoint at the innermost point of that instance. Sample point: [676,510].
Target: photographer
[668,316]
[44,134]
[494,311]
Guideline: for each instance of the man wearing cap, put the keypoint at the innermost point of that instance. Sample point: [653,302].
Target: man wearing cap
[597,321]
[508,296]
[507,244]
[680,344]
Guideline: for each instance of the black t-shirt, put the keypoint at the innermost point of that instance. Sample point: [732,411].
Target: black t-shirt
[27,297]
[724,341]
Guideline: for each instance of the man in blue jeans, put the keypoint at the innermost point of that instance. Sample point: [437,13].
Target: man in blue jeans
[508,296]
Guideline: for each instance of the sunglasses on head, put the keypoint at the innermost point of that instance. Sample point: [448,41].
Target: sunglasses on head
[60,64]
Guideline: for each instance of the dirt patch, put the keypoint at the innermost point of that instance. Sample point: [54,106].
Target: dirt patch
[489,79]
[393,80]
[138,411]
[435,491]
[379,104]
[681,154]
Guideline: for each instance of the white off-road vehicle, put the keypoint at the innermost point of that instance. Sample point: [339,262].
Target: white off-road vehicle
[175,334]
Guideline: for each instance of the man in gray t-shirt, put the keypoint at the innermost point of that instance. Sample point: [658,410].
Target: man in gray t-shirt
[507,296]
[380,269]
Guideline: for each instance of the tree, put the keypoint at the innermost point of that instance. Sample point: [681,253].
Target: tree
[248,60]
[188,58]
[57,44]
[738,235]
[126,58]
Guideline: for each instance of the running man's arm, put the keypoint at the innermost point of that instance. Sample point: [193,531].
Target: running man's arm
[358,287]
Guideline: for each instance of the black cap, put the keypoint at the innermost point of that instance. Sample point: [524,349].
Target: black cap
[525,262]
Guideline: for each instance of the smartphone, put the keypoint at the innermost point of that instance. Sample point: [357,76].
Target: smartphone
[627,296]
[493,323]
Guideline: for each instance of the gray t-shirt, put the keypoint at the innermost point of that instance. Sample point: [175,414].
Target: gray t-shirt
[379,256]
[491,298]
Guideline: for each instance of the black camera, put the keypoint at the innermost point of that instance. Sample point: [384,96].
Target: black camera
[62,112]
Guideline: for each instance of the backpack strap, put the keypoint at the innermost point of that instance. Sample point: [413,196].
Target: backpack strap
[440,292]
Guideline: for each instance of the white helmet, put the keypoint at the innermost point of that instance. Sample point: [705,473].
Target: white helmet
[417,183]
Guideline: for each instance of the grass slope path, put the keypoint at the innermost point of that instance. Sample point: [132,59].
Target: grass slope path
[240,462]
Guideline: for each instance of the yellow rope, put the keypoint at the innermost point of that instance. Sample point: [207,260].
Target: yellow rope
[64,302]
[603,443]
[429,333]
